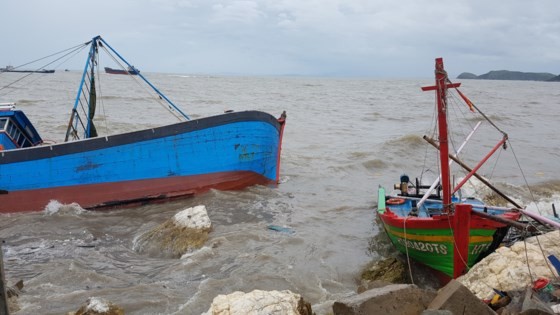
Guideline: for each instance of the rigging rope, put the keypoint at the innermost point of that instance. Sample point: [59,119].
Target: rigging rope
[546,261]
[72,49]
[406,249]
[75,50]
[158,98]
[432,132]
[471,104]
[455,245]
[100,98]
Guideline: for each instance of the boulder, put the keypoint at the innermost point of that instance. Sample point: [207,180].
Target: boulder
[458,299]
[507,269]
[12,294]
[98,306]
[186,231]
[368,285]
[390,270]
[259,302]
[394,299]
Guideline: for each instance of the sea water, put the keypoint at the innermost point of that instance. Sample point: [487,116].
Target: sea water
[344,137]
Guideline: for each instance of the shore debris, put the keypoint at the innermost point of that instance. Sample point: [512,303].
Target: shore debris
[281,229]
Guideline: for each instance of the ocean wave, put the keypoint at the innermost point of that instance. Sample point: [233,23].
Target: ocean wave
[411,141]
[539,196]
[547,188]
[116,97]
[375,164]
[207,102]
[28,102]
[368,117]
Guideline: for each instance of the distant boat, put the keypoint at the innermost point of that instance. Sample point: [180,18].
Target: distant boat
[131,70]
[226,151]
[13,69]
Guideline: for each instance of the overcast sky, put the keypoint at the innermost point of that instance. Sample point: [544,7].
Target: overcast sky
[373,38]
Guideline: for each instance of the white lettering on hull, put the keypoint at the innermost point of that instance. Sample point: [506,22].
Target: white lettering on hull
[424,246]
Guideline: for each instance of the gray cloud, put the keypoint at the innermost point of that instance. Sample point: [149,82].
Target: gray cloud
[307,37]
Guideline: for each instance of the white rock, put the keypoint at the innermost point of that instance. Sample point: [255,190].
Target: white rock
[194,218]
[186,231]
[256,302]
[507,269]
[98,305]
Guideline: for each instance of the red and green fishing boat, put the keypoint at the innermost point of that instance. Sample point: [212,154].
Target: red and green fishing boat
[435,225]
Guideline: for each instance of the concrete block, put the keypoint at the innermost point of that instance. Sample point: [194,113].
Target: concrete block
[456,298]
[395,299]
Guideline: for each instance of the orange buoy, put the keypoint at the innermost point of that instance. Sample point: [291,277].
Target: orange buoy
[395,201]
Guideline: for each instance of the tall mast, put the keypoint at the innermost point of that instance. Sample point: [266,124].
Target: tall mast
[441,94]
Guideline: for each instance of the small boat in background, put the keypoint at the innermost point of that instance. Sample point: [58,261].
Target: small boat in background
[130,70]
[228,151]
[435,225]
[13,69]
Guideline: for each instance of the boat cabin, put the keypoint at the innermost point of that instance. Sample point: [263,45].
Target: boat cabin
[16,131]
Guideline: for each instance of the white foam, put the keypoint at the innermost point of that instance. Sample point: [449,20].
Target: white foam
[54,206]
[97,305]
[194,217]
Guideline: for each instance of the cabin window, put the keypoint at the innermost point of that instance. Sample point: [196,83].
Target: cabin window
[3,123]
[21,140]
[12,131]
[17,137]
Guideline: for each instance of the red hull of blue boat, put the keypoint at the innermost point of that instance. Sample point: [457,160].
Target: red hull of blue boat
[110,195]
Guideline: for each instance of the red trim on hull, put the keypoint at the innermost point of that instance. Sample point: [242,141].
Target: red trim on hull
[442,221]
[97,196]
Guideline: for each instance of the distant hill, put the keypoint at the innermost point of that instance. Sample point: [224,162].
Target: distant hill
[467,75]
[511,75]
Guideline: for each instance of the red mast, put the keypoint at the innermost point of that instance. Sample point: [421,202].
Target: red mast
[441,93]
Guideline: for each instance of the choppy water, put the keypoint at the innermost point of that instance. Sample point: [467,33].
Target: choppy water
[343,138]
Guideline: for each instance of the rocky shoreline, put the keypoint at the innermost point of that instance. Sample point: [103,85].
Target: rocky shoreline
[519,279]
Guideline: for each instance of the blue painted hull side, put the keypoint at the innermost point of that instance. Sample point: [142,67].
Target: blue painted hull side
[242,146]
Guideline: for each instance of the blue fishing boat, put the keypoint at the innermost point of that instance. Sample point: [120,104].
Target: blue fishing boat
[227,151]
